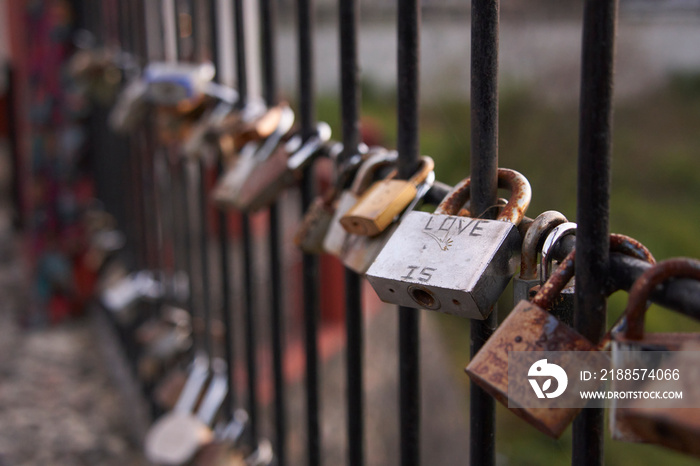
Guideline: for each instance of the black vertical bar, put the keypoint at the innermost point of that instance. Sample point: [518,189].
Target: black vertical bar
[268,21]
[204,257]
[223,233]
[592,238]
[248,283]
[484,187]
[241,68]
[310,263]
[408,146]
[350,96]
[307,101]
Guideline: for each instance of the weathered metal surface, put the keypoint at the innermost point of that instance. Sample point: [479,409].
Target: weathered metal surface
[457,265]
[529,327]
[642,288]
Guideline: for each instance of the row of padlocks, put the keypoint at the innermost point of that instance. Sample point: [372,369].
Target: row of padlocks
[453,260]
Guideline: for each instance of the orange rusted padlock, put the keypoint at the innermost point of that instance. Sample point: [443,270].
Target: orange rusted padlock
[671,423]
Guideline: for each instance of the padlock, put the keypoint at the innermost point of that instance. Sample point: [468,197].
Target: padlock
[172,84]
[529,327]
[130,108]
[269,178]
[452,264]
[563,306]
[382,202]
[678,429]
[358,252]
[175,438]
[240,164]
[378,158]
[142,285]
[319,216]
[533,241]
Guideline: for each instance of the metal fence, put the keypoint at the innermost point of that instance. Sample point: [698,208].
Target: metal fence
[167,215]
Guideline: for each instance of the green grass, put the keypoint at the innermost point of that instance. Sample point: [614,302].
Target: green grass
[655,194]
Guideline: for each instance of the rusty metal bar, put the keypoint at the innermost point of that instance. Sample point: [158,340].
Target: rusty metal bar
[408,147]
[268,22]
[592,243]
[484,187]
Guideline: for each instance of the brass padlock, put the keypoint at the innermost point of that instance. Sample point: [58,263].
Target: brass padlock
[529,327]
[449,263]
[678,429]
[377,158]
[358,252]
[383,201]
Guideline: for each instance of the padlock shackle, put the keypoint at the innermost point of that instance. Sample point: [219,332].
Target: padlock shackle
[644,285]
[630,247]
[535,236]
[363,178]
[556,282]
[513,181]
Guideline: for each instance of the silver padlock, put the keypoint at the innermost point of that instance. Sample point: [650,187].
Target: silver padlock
[358,252]
[170,84]
[562,307]
[452,264]
[378,158]
[529,275]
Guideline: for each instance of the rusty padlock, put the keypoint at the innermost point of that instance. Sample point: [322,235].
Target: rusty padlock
[533,241]
[269,178]
[377,158]
[529,327]
[382,202]
[449,263]
[666,424]
[358,252]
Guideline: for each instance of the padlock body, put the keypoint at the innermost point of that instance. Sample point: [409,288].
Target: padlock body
[378,207]
[527,328]
[456,265]
[252,185]
[310,236]
[333,242]
[359,252]
[647,425]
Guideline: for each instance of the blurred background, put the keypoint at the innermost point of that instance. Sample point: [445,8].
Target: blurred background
[57,392]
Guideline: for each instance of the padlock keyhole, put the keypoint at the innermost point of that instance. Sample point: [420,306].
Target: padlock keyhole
[424,298]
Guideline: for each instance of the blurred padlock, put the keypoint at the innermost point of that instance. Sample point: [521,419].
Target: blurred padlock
[378,158]
[530,327]
[383,201]
[241,163]
[269,178]
[171,84]
[130,108]
[453,264]
[358,252]
[667,425]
